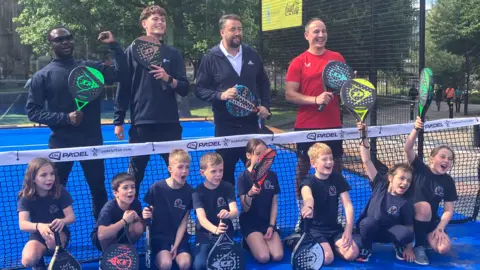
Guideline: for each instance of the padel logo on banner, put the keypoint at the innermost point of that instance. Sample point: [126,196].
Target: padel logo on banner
[315,136]
[198,145]
[59,155]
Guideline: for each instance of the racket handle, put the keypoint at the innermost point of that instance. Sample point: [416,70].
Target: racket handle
[363,134]
[307,224]
[58,241]
[322,106]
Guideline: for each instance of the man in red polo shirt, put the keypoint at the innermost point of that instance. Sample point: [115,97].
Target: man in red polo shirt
[305,88]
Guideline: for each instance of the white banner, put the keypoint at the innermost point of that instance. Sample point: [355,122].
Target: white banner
[138,149]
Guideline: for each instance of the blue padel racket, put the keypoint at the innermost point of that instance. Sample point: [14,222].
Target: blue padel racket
[226,255]
[62,259]
[244,104]
[308,254]
[359,96]
[85,84]
[334,76]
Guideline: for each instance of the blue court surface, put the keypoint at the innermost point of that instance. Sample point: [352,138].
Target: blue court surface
[465,253]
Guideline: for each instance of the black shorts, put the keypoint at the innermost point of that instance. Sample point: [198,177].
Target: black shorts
[121,238]
[330,236]
[155,133]
[336,146]
[159,244]
[248,226]
[38,237]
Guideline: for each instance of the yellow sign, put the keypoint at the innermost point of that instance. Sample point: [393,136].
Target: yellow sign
[279,14]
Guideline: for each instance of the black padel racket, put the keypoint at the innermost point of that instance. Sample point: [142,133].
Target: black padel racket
[358,96]
[146,51]
[260,170]
[308,254]
[85,84]
[121,256]
[148,243]
[334,76]
[62,259]
[226,255]
[425,93]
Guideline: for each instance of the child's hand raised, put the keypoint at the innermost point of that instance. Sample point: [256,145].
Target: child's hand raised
[418,123]
[361,126]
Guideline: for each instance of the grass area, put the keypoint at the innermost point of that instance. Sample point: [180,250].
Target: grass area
[14,119]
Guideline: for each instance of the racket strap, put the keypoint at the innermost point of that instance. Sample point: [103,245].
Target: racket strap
[125,233]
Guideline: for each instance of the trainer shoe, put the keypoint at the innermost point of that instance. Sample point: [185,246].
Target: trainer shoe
[420,256]
[399,252]
[364,255]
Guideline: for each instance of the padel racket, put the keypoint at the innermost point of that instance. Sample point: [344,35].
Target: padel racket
[244,104]
[425,93]
[358,96]
[148,243]
[146,51]
[85,84]
[120,257]
[308,254]
[334,76]
[260,170]
[62,259]
[226,255]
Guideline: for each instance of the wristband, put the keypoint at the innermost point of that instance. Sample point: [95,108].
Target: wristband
[170,79]
[274,227]
[126,223]
[316,100]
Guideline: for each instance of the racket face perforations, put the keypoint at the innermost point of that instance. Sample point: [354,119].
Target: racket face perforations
[261,169]
[225,255]
[335,74]
[359,96]
[243,104]
[120,257]
[307,254]
[146,51]
[85,84]
[64,260]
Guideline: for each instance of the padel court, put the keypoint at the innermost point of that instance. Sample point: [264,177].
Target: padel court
[465,236]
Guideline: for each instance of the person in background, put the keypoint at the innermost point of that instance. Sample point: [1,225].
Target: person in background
[458,99]
[438,97]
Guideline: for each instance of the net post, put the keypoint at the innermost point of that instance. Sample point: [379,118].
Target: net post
[373,78]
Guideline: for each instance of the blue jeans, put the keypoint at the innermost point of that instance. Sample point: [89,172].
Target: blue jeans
[201,256]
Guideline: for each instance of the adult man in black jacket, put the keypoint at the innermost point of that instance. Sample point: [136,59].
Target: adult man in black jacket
[50,103]
[150,95]
[228,64]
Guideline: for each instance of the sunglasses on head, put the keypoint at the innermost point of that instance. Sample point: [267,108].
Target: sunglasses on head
[62,39]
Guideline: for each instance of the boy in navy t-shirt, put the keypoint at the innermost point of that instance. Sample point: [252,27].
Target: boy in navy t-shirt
[118,214]
[171,201]
[215,205]
[320,193]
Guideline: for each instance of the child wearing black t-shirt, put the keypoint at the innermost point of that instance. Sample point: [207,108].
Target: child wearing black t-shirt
[320,193]
[213,201]
[259,209]
[44,207]
[171,201]
[122,212]
[388,216]
[431,185]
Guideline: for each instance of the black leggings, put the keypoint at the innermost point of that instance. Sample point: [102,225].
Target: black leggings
[371,231]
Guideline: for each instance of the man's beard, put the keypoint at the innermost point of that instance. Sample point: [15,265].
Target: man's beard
[233,44]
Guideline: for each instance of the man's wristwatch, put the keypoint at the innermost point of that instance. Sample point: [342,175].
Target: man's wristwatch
[170,79]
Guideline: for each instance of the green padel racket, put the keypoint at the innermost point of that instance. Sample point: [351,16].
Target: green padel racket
[358,96]
[425,92]
[85,84]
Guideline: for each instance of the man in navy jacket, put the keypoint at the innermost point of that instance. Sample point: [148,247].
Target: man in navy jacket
[50,103]
[150,95]
[228,64]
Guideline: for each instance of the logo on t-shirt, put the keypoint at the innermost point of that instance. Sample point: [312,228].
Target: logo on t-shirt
[53,209]
[179,204]
[393,211]
[332,191]
[439,191]
[268,185]
[221,202]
